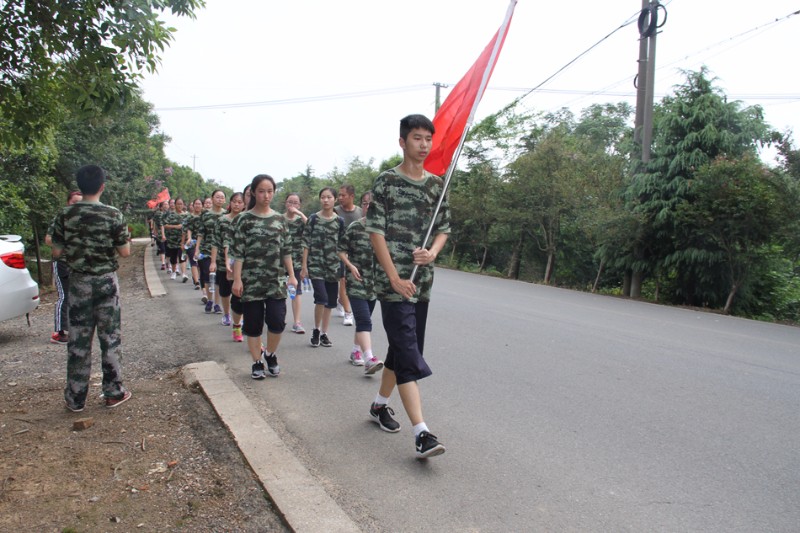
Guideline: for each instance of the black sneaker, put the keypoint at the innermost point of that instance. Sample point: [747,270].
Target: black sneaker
[258,371]
[382,414]
[428,446]
[315,338]
[272,365]
[324,341]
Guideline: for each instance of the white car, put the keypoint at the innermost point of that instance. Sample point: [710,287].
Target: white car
[19,294]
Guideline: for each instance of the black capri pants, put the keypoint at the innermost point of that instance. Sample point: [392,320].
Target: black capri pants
[257,313]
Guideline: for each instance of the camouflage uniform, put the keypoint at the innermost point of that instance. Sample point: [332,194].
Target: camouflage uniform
[401,210]
[321,237]
[356,244]
[205,229]
[223,235]
[261,243]
[296,229]
[192,224]
[158,221]
[89,233]
[174,235]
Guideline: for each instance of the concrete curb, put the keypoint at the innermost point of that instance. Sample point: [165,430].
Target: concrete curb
[151,279]
[302,501]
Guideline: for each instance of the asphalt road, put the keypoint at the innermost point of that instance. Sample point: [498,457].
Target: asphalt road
[561,411]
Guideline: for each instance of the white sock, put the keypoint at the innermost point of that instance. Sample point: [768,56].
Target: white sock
[380,400]
[356,348]
[368,354]
[419,428]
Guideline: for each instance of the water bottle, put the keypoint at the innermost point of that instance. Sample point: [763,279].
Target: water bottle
[212,280]
[201,256]
[291,290]
[306,284]
[183,257]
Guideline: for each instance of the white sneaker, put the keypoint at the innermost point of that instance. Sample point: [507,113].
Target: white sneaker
[339,310]
[356,359]
[169,269]
[172,276]
[372,365]
[178,271]
[348,319]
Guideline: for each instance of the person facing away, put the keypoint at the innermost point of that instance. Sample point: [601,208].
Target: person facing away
[89,236]
[404,199]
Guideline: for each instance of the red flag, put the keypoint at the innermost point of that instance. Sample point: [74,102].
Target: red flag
[163,196]
[459,107]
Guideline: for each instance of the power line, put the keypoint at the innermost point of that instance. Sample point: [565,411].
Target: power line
[301,100]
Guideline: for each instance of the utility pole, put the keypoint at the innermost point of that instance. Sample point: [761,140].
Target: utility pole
[194,160]
[438,99]
[643,126]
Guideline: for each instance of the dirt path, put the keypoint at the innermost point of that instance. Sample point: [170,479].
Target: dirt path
[160,462]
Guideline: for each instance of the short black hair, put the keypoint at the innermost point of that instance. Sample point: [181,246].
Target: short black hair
[90,178]
[412,122]
[348,188]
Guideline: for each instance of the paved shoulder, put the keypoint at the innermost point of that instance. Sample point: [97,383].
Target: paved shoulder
[299,497]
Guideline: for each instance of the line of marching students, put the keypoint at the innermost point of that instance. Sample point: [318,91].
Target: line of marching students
[249,259]
[281,256]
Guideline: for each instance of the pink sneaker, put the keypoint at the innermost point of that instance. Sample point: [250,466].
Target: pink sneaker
[372,365]
[356,359]
[237,334]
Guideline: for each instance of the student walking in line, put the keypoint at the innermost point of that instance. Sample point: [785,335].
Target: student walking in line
[261,252]
[237,313]
[297,223]
[192,225]
[355,251]
[403,201]
[161,237]
[350,212]
[89,235]
[61,281]
[202,250]
[321,263]
[220,255]
[173,223]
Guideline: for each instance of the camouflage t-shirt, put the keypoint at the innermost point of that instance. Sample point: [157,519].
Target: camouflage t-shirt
[223,233]
[88,233]
[192,224]
[296,228]
[261,243]
[158,221]
[205,229]
[401,211]
[321,237]
[355,243]
[174,235]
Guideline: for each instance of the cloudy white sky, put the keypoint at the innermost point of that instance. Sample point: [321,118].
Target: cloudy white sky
[254,86]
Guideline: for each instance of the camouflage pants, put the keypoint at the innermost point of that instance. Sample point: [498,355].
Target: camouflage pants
[93,304]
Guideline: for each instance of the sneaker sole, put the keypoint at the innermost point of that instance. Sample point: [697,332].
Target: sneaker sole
[433,452]
[127,396]
[258,377]
[75,410]
[374,368]
[378,421]
[58,342]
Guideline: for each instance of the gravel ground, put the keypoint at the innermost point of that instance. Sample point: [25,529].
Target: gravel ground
[160,462]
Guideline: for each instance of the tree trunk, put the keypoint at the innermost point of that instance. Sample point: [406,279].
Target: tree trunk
[38,254]
[626,284]
[548,272]
[516,255]
[636,284]
[483,259]
[729,301]
[599,273]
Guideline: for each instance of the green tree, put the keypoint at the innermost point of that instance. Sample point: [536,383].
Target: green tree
[691,128]
[84,56]
[738,207]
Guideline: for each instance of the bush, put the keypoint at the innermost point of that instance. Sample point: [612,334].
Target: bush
[138,229]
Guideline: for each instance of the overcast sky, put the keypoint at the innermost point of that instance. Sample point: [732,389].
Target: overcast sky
[255,86]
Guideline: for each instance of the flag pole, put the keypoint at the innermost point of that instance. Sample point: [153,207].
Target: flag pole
[498,43]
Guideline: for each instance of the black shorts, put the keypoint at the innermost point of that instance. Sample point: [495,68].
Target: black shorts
[223,283]
[204,264]
[162,246]
[405,323]
[325,292]
[270,312]
[173,254]
[236,305]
